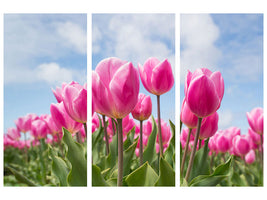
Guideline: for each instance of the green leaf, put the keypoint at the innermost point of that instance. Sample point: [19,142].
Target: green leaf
[201,164]
[166,174]
[97,178]
[220,173]
[170,151]
[143,176]
[20,177]
[130,139]
[150,151]
[97,135]
[76,155]
[113,152]
[127,158]
[59,168]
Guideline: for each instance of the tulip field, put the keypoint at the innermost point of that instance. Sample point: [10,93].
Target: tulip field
[50,149]
[212,157]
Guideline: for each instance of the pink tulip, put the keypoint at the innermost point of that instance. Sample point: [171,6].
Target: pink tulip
[209,127]
[13,134]
[143,108]
[75,102]
[166,135]
[241,145]
[52,127]
[223,144]
[187,117]
[204,91]
[255,120]
[256,138]
[62,119]
[115,88]
[156,76]
[95,122]
[24,123]
[39,129]
[250,157]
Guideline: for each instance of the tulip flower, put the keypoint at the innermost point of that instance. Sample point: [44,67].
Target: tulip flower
[115,89]
[223,144]
[241,145]
[62,119]
[24,123]
[187,117]
[13,134]
[250,157]
[209,126]
[158,79]
[141,112]
[203,93]
[39,129]
[75,102]
[255,120]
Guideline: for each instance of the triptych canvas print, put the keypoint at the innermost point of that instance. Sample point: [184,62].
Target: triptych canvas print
[113,116]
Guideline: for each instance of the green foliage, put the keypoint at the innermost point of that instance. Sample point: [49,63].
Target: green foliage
[154,171]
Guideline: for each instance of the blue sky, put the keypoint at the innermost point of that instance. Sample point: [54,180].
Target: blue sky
[135,38]
[232,44]
[40,52]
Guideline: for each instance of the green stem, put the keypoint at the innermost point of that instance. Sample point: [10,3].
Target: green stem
[192,156]
[113,127]
[120,153]
[141,143]
[85,129]
[106,134]
[211,160]
[159,127]
[185,151]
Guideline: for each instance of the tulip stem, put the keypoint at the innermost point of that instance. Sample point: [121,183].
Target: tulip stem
[185,151]
[141,143]
[106,134]
[120,153]
[192,156]
[85,129]
[159,127]
[211,160]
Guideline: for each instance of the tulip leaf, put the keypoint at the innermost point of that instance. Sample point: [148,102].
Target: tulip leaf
[127,158]
[20,177]
[220,173]
[59,168]
[201,164]
[97,178]
[113,152]
[142,176]
[166,174]
[170,151]
[150,151]
[130,139]
[97,135]
[76,155]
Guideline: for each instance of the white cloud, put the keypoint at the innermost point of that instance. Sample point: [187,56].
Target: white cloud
[73,35]
[198,36]
[225,118]
[135,37]
[52,73]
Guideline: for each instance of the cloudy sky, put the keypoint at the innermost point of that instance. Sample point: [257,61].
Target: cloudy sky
[135,38]
[232,44]
[40,52]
